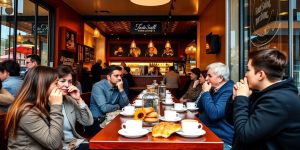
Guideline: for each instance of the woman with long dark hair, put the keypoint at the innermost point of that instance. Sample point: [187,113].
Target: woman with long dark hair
[35,120]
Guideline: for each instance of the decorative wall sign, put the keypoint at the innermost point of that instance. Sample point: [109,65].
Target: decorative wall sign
[41,28]
[66,58]
[264,21]
[146,27]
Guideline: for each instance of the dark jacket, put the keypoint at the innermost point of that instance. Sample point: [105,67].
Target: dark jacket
[268,119]
[213,115]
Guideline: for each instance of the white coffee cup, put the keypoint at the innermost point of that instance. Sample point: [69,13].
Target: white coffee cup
[170,114]
[190,126]
[179,106]
[169,100]
[191,105]
[132,126]
[138,102]
[128,109]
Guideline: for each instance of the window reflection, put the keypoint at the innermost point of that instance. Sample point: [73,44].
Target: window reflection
[25,32]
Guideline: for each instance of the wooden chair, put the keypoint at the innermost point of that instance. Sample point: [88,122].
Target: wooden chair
[86,97]
[3,139]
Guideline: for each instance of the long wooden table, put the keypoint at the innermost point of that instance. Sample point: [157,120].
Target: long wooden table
[109,138]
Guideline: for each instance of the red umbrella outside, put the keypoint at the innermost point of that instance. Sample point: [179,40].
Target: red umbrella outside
[24,49]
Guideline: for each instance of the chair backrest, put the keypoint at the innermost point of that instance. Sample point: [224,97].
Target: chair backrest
[86,97]
[3,140]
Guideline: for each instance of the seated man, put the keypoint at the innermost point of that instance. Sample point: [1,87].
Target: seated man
[108,95]
[10,77]
[266,106]
[216,91]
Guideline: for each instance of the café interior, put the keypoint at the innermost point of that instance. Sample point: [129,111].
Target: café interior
[145,35]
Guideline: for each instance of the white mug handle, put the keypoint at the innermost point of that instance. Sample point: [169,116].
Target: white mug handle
[123,109]
[177,115]
[123,126]
[199,124]
[195,105]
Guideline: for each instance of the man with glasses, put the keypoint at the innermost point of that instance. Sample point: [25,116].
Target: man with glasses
[32,61]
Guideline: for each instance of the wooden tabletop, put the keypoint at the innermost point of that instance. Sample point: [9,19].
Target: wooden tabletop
[109,138]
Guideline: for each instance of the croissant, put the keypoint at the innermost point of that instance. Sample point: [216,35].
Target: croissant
[165,129]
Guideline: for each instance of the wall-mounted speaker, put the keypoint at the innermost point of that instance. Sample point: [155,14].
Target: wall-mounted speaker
[213,44]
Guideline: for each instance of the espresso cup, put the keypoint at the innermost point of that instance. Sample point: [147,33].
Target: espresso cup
[190,126]
[191,105]
[132,126]
[169,100]
[170,114]
[138,102]
[179,106]
[128,109]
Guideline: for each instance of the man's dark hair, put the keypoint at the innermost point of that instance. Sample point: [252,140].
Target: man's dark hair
[10,66]
[34,58]
[127,69]
[112,68]
[272,61]
[171,68]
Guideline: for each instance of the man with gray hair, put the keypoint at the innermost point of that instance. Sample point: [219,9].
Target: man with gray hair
[216,91]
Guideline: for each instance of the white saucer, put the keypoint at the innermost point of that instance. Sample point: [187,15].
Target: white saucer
[130,135]
[174,120]
[182,110]
[164,102]
[197,133]
[193,109]
[126,113]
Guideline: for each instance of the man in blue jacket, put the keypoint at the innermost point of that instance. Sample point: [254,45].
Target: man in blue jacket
[266,106]
[107,95]
[216,91]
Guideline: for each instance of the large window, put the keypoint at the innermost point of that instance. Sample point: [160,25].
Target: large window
[31,27]
[296,41]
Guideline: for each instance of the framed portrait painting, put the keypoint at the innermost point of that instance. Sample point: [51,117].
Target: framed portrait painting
[68,39]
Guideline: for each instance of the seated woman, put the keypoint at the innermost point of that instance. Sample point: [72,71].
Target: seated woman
[35,120]
[194,89]
[74,109]
[5,97]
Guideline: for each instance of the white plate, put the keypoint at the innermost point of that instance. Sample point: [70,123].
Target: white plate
[126,114]
[130,135]
[182,110]
[174,120]
[164,102]
[193,109]
[197,133]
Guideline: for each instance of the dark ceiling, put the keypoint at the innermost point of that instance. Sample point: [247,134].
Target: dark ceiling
[114,17]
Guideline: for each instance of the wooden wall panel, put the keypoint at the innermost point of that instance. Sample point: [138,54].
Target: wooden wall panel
[212,20]
[66,17]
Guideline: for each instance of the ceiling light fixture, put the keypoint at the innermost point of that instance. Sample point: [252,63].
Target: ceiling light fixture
[168,44]
[150,44]
[150,2]
[96,33]
[133,45]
